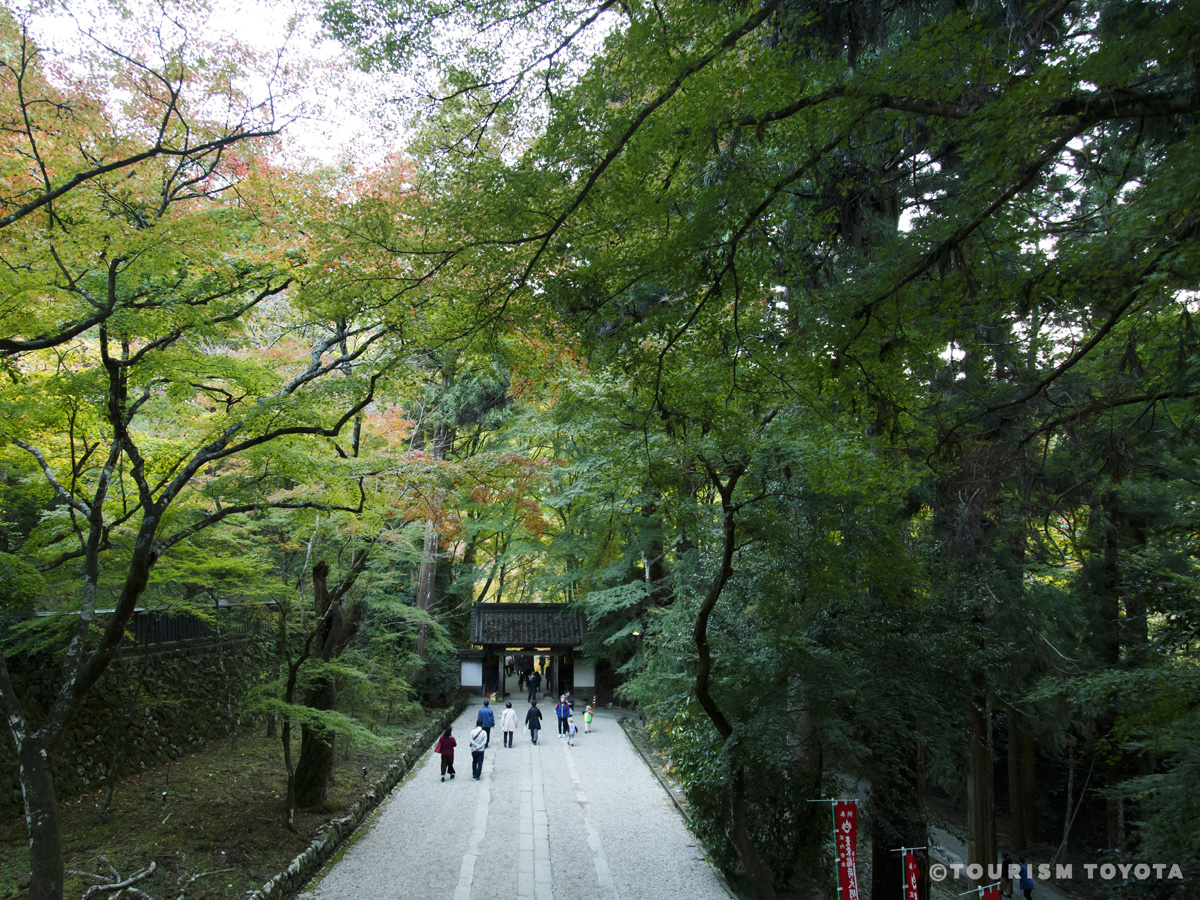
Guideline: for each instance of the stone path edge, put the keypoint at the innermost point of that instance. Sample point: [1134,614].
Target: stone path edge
[627,726]
[334,834]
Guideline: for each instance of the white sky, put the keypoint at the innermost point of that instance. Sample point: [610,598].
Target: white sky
[342,114]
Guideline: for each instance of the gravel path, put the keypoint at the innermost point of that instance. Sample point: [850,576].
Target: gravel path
[546,822]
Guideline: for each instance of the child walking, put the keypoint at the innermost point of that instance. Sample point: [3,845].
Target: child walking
[572,730]
[587,720]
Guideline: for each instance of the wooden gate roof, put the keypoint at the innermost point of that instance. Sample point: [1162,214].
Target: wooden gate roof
[525,625]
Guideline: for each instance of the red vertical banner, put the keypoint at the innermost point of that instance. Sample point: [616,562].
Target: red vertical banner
[912,877]
[845,820]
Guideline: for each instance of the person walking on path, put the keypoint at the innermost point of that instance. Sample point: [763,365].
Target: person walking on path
[587,721]
[478,743]
[572,730]
[488,720]
[1006,885]
[445,748]
[534,680]
[533,721]
[563,712]
[1026,882]
[508,723]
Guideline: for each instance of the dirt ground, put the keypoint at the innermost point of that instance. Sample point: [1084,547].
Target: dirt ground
[222,819]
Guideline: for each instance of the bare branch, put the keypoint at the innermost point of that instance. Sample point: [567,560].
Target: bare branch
[965,230]
[726,43]
[225,512]
[119,885]
[75,503]
[1092,107]
[1090,344]
[150,153]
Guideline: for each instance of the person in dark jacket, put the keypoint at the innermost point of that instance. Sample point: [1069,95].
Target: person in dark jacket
[445,748]
[534,681]
[1025,882]
[533,721]
[1006,880]
[488,720]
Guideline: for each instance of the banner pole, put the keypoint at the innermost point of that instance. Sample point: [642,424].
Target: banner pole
[833,802]
[833,812]
[981,889]
[904,851]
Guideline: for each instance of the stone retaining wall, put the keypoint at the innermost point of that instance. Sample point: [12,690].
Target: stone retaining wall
[147,708]
[322,848]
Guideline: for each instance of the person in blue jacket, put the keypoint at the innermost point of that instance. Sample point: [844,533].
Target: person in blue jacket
[488,720]
[563,711]
[1026,881]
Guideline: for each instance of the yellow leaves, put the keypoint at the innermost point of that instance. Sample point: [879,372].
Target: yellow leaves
[391,425]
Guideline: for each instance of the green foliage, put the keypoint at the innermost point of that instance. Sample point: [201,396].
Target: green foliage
[900,293]
[20,584]
[438,680]
[863,331]
[327,722]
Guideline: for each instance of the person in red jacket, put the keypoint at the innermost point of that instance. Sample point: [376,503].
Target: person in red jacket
[445,747]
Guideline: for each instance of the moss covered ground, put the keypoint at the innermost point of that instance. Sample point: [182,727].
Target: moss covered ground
[224,815]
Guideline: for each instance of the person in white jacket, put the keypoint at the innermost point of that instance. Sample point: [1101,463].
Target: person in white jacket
[508,723]
[478,742]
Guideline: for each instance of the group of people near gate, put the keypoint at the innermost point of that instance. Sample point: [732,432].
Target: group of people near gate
[529,676]
[481,734]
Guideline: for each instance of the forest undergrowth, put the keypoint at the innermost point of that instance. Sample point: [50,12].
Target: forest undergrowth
[223,818]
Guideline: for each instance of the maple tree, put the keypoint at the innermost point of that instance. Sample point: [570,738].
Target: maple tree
[175,339]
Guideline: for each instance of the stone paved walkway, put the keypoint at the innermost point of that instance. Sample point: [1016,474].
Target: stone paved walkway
[546,822]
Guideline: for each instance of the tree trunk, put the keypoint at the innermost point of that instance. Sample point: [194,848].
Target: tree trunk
[1069,816]
[887,868]
[46,867]
[80,671]
[739,832]
[443,436]
[981,801]
[332,634]
[1022,785]
[289,800]
[1113,776]
[426,573]
[316,750]
[1104,582]
[1136,626]
[897,816]
[739,836]
[806,747]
